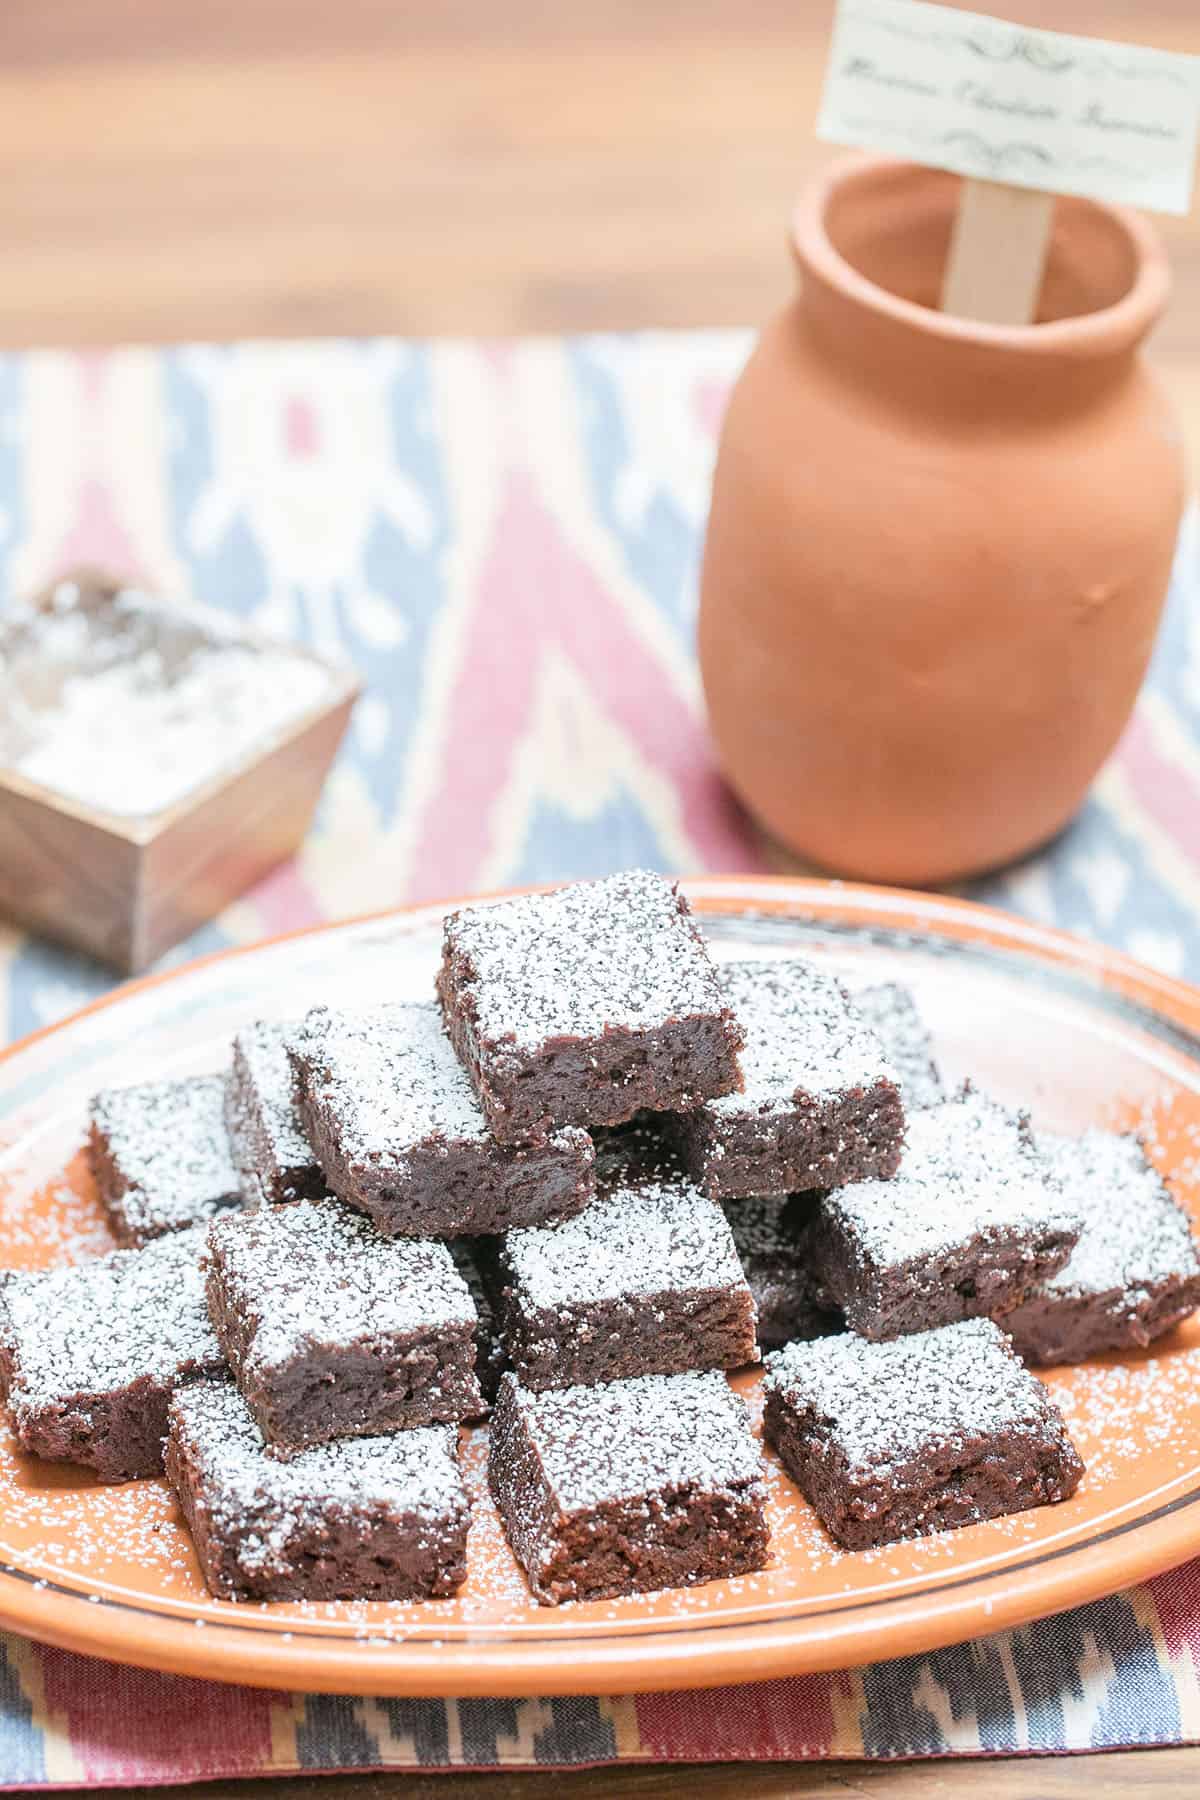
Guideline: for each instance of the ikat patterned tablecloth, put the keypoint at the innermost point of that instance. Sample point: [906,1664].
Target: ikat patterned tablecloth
[505,539]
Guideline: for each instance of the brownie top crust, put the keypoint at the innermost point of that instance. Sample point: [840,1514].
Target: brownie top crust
[263,1050]
[260,1500]
[631,1240]
[892,1013]
[617,953]
[102,1325]
[388,1076]
[316,1273]
[968,1167]
[169,1141]
[1135,1235]
[885,1405]
[627,1438]
[802,1037]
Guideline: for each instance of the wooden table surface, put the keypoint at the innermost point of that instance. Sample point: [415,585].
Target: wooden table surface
[301,167]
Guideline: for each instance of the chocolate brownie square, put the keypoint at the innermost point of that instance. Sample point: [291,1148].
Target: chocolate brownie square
[820,1104]
[891,1012]
[586,1005]
[398,1130]
[921,1434]
[266,1135]
[645,1282]
[334,1331]
[1135,1271]
[370,1518]
[160,1156]
[651,1483]
[971,1224]
[771,1236]
[90,1354]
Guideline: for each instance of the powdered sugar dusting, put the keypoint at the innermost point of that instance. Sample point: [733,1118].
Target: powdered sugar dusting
[889,1403]
[1135,1236]
[389,1078]
[262,1049]
[612,953]
[968,1168]
[642,1239]
[802,1037]
[261,1503]
[892,1013]
[95,1327]
[129,703]
[653,1434]
[317,1274]
[168,1142]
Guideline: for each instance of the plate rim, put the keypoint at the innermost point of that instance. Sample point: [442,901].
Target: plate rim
[687,1655]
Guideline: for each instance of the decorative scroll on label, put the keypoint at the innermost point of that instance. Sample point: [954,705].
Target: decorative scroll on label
[1002,102]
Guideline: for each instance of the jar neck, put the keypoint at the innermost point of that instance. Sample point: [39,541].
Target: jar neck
[870,241]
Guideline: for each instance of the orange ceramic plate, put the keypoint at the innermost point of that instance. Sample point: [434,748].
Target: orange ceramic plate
[1077,1032]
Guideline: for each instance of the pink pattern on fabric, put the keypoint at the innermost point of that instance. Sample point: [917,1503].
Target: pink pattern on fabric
[536,595]
[97,535]
[186,1730]
[711,399]
[1169,794]
[301,432]
[284,901]
[1177,1603]
[784,1719]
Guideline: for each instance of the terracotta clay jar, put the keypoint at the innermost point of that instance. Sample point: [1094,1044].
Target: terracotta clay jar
[938,549]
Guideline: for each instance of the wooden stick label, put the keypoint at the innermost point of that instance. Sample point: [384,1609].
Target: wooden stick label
[1006,103]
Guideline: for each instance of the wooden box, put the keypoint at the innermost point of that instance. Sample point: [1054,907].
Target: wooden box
[126,887]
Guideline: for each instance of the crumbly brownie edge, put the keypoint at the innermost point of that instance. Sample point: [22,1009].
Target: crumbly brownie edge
[1048,1329]
[119,1435]
[813,1145]
[111,1189]
[666,1333]
[218,1560]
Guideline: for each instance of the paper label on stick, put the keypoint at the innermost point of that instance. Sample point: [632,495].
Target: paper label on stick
[1007,103]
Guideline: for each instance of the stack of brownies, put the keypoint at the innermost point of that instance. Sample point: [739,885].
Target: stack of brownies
[594,1175]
